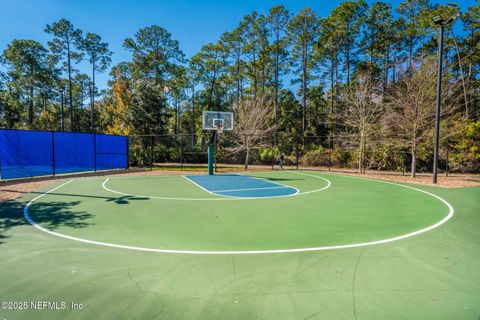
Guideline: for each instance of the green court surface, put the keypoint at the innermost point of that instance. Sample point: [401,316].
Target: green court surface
[162,247]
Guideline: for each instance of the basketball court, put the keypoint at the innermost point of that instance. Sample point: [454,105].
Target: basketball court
[279,244]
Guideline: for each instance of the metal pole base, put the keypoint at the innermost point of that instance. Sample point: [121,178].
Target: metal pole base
[211,158]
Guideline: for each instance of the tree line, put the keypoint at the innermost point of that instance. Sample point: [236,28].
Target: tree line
[355,88]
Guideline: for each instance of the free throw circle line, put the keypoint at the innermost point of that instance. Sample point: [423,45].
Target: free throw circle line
[240,252]
[220,196]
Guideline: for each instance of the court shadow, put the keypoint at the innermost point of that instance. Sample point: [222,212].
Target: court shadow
[50,215]
[125,199]
[277,179]
[2,237]
[118,200]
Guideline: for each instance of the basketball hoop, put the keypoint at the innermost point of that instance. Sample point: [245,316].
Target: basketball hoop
[219,124]
[219,128]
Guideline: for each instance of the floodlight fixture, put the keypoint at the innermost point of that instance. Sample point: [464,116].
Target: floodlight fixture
[438,20]
[453,18]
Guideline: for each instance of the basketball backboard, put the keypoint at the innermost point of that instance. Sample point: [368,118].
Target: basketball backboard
[214,120]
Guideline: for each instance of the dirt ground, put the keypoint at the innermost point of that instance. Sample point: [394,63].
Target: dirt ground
[452,181]
[13,189]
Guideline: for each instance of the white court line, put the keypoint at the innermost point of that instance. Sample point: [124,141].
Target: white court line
[249,189]
[223,195]
[227,197]
[219,197]
[201,252]
[206,190]
[266,180]
[310,175]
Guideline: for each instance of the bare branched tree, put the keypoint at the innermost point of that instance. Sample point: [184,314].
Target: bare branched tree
[412,108]
[363,109]
[252,124]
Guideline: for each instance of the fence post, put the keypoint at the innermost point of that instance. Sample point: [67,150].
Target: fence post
[446,161]
[127,152]
[297,156]
[273,156]
[53,153]
[151,152]
[330,150]
[95,151]
[0,168]
[181,153]
[329,159]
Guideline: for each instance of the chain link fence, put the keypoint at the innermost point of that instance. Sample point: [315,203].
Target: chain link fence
[187,152]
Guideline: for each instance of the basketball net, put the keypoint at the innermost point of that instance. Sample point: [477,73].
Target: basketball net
[219,129]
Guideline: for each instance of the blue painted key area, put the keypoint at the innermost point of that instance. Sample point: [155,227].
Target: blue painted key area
[234,185]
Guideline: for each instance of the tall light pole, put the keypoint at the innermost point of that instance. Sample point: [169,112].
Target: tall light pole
[92,105]
[442,23]
[62,102]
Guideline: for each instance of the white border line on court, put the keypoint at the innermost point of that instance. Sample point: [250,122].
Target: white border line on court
[233,252]
[204,189]
[262,179]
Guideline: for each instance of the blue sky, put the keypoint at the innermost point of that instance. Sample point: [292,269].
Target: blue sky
[192,23]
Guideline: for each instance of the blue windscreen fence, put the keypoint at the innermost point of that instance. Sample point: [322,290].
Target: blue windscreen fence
[25,153]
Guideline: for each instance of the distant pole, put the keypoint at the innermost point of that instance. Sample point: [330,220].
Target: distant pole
[193,111]
[296,154]
[439,102]
[192,129]
[92,103]
[62,113]
[441,23]
[151,152]
[446,160]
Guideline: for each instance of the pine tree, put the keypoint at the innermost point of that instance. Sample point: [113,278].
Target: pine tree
[64,48]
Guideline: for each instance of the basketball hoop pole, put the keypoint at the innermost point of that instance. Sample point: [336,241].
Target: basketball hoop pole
[216,121]
[211,152]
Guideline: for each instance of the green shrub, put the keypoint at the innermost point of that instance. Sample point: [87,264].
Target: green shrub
[268,155]
[137,155]
[316,157]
